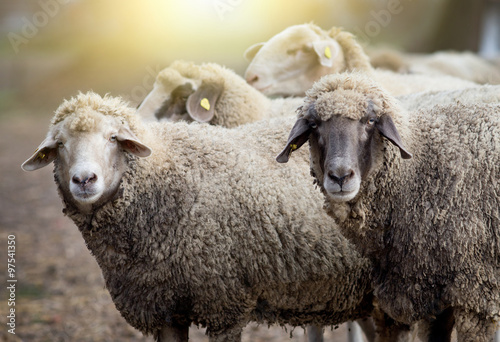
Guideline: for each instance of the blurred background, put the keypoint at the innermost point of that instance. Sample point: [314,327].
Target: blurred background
[51,49]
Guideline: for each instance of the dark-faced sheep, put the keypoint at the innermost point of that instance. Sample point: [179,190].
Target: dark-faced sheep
[430,224]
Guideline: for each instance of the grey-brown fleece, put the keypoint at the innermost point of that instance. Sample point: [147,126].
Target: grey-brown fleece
[430,224]
[210,230]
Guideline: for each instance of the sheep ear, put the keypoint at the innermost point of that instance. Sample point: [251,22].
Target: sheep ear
[250,53]
[43,156]
[298,136]
[326,50]
[176,104]
[151,103]
[201,104]
[386,127]
[130,143]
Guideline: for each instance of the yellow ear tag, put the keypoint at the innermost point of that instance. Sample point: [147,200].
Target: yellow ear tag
[328,53]
[41,155]
[293,147]
[204,103]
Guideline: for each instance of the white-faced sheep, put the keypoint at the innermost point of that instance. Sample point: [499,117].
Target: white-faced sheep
[210,93]
[465,65]
[430,224]
[208,230]
[291,61]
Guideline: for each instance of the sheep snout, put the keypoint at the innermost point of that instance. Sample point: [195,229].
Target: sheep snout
[252,78]
[341,178]
[260,81]
[86,186]
[342,184]
[83,181]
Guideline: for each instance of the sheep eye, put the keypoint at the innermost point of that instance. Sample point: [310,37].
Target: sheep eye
[313,125]
[371,121]
[60,144]
[112,138]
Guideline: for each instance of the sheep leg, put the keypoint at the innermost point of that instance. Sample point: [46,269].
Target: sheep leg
[368,328]
[387,329]
[173,333]
[472,327]
[440,328]
[229,335]
[314,333]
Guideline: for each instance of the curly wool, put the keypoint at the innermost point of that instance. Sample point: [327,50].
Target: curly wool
[79,110]
[205,231]
[354,55]
[430,224]
[348,94]
[481,94]
[238,104]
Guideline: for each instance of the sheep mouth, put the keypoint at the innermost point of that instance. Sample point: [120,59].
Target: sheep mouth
[342,196]
[86,195]
[262,88]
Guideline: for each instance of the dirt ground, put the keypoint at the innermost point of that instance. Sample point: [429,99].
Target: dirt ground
[60,294]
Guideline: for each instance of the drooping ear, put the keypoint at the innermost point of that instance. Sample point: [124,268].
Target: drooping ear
[176,104]
[298,136]
[151,103]
[201,104]
[130,143]
[250,53]
[326,50]
[43,156]
[386,127]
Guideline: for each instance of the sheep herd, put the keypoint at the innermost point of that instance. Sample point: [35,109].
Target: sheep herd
[201,207]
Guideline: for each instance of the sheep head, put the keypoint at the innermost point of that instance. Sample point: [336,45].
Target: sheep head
[89,147]
[183,91]
[345,119]
[203,93]
[292,60]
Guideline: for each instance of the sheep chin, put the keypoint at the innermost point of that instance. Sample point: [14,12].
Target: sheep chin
[88,194]
[342,196]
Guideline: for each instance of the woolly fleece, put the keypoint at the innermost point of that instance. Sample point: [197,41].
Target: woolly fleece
[238,104]
[481,94]
[354,59]
[430,224]
[205,230]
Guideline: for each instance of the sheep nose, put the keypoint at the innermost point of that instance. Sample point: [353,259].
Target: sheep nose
[252,78]
[84,180]
[342,178]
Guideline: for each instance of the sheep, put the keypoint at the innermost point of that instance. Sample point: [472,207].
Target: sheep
[291,61]
[481,94]
[464,65]
[204,230]
[430,224]
[228,100]
[177,95]
[234,103]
